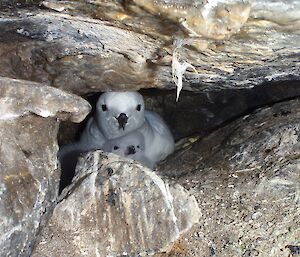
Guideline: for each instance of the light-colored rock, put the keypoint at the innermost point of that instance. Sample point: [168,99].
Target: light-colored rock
[210,19]
[20,97]
[29,173]
[116,207]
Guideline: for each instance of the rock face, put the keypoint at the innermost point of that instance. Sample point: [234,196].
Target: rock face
[114,208]
[246,178]
[29,173]
[109,46]
[245,175]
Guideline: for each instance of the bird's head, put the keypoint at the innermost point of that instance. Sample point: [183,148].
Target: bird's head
[119,113]
[130,145]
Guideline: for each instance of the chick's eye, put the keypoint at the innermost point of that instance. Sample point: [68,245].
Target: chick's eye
[138,107]
[116,147]
[138,146]
[104,107]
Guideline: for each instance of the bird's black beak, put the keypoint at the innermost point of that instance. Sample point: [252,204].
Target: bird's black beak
[122,120]
[130,150]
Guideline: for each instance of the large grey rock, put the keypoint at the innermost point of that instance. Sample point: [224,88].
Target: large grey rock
[68,45]
[116,207]
[246,178]
[29,173]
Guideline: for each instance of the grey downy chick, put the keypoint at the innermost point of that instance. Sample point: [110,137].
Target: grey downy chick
[131,146]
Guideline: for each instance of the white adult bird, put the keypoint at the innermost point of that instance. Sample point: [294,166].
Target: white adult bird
[118,114]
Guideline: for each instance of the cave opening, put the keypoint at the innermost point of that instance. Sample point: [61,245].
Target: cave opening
[196,114]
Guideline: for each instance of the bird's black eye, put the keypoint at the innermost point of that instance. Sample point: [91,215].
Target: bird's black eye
[138,146]
[116,147]
[138,107]
[104,107]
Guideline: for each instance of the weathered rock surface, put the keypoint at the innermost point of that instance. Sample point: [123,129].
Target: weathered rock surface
[29,174]
[131,48]
[115,208]
[210,19]
[20,97]
[246,178]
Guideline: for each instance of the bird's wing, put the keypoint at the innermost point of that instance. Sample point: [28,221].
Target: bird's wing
[157,123]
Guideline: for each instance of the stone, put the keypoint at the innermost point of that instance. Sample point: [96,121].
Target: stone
[88,59]
[29,172]
[245,177]
[20,97]
[90,46]
[117,207]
